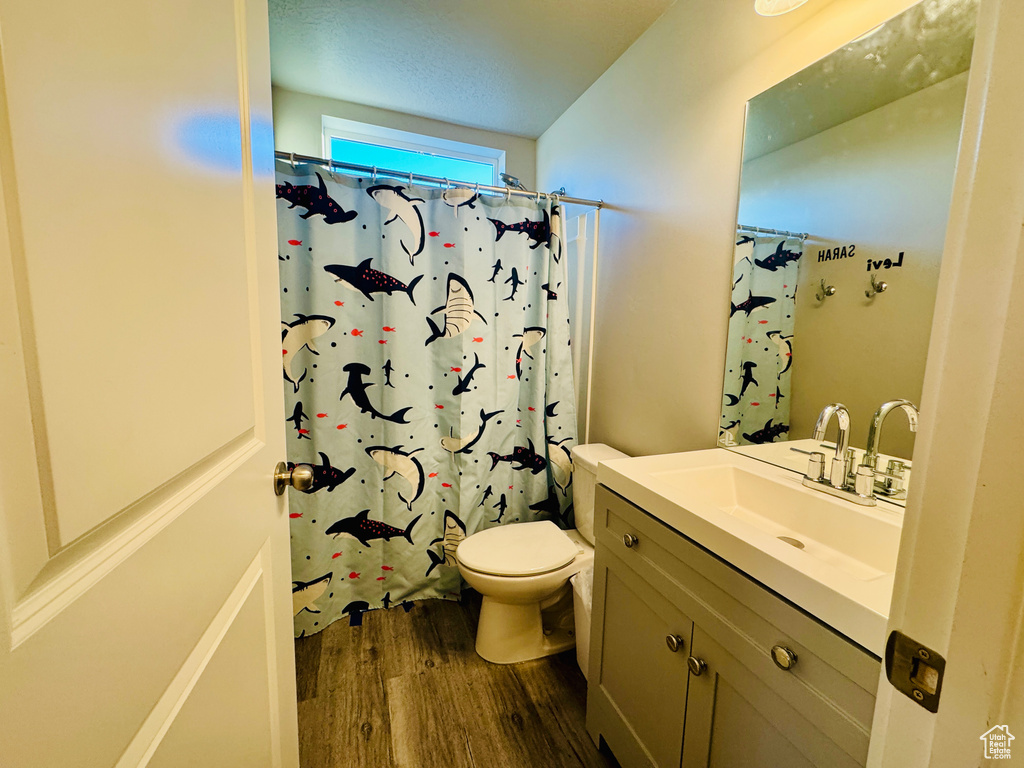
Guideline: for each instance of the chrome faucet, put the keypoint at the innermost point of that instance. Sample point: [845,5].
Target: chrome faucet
[875,430]
[890,482]
[839,463]
[859,489]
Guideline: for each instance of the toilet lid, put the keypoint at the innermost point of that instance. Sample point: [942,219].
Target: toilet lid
[519,549]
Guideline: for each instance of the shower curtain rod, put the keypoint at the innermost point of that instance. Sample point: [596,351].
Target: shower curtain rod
[293,157]
[760,231]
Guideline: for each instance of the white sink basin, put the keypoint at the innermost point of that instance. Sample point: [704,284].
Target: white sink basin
[833,558]
[861,545]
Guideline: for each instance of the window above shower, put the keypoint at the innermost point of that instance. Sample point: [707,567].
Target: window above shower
[348,141]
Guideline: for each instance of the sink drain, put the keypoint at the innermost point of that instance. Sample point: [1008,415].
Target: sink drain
[791,541]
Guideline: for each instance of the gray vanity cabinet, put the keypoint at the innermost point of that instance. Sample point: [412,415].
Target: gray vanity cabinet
[681,671]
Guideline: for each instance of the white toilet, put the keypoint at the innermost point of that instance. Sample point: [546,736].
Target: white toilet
[523,570]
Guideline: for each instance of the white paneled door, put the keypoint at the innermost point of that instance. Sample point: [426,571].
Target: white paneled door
[144,564]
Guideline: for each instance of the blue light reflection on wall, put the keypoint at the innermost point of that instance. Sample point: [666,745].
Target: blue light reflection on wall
[213,140]
[370,155]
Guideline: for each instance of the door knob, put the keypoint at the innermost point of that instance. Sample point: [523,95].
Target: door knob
[674,642]
[630,540]
[299,477]
[697,666]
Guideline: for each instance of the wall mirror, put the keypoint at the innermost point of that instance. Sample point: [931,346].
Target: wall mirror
[845,192]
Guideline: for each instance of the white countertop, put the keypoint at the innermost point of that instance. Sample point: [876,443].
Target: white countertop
[856,606]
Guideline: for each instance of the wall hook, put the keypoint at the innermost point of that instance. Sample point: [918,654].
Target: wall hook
[826,291]
[877,286]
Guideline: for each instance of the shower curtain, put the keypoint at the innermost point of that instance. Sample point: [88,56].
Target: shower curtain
[759,360]
[428,382]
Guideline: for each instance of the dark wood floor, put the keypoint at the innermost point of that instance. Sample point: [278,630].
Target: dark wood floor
[407,689]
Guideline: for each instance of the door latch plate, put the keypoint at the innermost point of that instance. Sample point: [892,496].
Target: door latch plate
[914,670]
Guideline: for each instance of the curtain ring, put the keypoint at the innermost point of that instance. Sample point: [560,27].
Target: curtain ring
[373,176]
[410,178]
[538,196]
[447,184]
[291,159]
[508,194]
[477,190]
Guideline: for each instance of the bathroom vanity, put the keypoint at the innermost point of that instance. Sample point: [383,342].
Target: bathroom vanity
[694,662]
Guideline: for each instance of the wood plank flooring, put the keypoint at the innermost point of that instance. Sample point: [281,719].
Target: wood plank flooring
[407,690]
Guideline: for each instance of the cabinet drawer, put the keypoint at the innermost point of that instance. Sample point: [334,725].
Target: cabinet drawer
[833,682]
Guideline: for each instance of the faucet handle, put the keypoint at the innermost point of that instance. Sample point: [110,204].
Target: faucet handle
[816,466]
[864,481]
[896,468]
[895,477]
[895,472]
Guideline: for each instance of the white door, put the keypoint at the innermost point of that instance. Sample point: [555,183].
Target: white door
[144,564]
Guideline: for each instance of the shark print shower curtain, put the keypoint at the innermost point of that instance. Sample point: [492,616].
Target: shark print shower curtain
[759,361]
[428,382]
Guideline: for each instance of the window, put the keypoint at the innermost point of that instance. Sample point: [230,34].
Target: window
[347,141]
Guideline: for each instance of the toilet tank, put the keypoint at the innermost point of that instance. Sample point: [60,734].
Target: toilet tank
[584,462]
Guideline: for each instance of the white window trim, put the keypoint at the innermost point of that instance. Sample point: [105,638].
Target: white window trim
[337,127]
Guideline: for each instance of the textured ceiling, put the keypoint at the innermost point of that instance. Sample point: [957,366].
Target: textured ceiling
[511,66]
[924,45]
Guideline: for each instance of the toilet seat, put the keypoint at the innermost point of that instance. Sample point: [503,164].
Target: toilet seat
[523,549]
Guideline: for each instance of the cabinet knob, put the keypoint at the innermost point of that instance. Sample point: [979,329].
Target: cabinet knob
[783,657]
[674,642]
[630,540]
[697,666]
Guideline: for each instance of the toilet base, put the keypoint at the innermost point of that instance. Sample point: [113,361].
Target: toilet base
[510,633]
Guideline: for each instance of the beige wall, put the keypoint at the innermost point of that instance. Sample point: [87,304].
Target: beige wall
[882,182]
[297,128]
[659,138]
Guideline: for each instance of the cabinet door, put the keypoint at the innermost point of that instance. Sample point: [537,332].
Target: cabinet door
[734,720]
[640,677]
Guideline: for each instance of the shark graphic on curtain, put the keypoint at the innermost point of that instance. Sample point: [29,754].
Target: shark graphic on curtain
[759,360]
[428,382]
